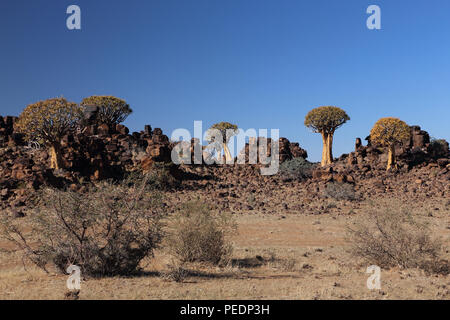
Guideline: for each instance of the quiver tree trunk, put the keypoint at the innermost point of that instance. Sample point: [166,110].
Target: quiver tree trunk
[392,164]
[330,148]
[55,156]
[228,157]
[327,151]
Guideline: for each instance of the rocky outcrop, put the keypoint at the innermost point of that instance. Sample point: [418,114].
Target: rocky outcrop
[287,150]
[369,162]
[21,171]
[7,134]
[89,153]
[96,151]
[296,151]
[101,152]
[413,152]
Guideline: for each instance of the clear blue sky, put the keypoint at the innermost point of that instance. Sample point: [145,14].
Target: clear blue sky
[256,63]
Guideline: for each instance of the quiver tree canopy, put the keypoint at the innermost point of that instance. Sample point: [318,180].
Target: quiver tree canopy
[46,122]
[325,120]
[226,130]
[111,110]
[388,132]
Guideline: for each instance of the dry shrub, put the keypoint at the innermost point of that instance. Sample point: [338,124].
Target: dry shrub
[200,235]
[390,237]
[106,231]
[159,178]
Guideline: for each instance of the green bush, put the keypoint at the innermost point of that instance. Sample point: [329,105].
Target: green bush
[297,169]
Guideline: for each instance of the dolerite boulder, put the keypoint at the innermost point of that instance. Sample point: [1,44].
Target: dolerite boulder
[287,150]
[190,152]
[109,153]
[158,146]
[358,144]
[296,151]
[329,174]
[443,162]
[419,138]
[103,130]
[21,171]
[120,128]
[7,134]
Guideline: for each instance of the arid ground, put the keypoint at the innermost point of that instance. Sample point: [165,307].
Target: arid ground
[277,255]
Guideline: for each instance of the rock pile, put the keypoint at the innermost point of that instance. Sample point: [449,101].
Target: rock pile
[92,152]
[287,150]
[100,152]
[371,160]
[97,151]
[415,151]
[7,134]
[21,170]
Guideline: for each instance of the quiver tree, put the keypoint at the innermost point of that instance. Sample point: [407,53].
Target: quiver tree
[46,122]
[325,120]
[388,132]
[224,131]
[111,110]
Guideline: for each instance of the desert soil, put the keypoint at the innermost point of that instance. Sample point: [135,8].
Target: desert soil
[278,255]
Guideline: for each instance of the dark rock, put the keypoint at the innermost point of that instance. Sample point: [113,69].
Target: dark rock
[17,213]
[358,144]
[103,130]
[443,162]
[157,132]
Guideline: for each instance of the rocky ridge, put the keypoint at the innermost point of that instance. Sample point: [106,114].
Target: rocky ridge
[95,152]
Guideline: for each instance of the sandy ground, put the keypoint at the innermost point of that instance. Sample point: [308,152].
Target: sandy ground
[304,257]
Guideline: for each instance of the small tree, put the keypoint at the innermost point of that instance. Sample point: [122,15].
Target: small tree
[325,120]
[388,132]
[227,130]
[111,110]
[47,122]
